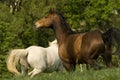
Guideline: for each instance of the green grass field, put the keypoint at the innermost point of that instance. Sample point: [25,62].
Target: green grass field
[103,74]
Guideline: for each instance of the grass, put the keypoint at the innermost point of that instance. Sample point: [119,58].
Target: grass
[104,74]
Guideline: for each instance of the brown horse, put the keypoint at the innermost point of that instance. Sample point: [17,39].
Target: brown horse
[75,48]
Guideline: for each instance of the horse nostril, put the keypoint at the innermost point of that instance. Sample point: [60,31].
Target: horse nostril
[35,27]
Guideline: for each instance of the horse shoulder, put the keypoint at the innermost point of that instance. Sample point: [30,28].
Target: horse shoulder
[77,48]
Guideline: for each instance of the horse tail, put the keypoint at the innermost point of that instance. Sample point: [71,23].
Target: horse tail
[13,59]
[107,37]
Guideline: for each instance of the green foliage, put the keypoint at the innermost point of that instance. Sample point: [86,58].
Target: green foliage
[95,14]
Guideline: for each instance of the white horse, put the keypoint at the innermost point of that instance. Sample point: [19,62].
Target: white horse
[39,58]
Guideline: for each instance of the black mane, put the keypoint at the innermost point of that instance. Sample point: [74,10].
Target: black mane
[63,21]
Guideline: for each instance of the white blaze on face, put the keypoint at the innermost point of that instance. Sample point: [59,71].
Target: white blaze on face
[37,25]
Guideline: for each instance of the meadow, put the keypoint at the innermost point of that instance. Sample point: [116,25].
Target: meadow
[91,74]
[103,74]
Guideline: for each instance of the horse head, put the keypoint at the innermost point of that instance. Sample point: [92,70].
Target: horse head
[46,21]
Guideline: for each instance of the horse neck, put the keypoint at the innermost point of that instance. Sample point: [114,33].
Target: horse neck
[61,30]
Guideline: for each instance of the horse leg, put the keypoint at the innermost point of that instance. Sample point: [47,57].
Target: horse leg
[107,57]
[30,73]
[60,67]
[69,67]
[24,70]
[93,64]
[34,72]
[24,66]
[24,62]
[81,67]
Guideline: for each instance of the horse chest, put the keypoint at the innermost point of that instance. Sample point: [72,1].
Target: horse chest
[67,54]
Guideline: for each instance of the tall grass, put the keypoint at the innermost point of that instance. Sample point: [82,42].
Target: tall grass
[103,74]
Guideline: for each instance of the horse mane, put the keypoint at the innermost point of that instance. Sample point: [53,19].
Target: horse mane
[66,25]
[63,21]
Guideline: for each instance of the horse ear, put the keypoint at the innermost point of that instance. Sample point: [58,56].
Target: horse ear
[49,42]
[52,11]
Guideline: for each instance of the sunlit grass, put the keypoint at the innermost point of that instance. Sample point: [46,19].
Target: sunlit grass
[104,74]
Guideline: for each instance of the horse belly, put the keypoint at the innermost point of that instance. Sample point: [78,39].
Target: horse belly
[53,61]
[37,60]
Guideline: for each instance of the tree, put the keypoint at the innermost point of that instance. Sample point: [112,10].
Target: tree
[94,14]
